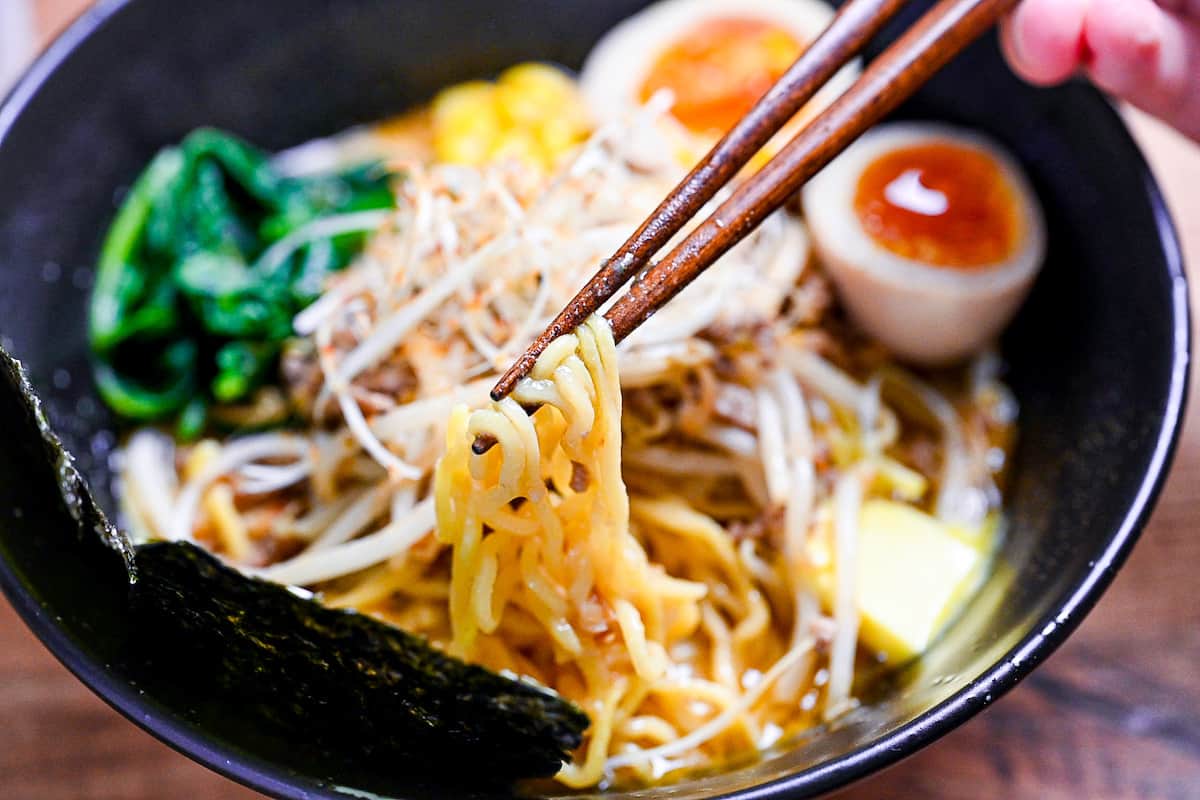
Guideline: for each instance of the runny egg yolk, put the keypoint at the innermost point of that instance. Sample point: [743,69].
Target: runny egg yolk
[719,69]
[942,204]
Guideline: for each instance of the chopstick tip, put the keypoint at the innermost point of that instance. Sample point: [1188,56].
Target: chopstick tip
[483,442]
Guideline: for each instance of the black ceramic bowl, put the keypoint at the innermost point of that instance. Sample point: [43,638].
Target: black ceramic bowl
[1099,355]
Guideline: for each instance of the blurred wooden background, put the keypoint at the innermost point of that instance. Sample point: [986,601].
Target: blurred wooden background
[1115,714]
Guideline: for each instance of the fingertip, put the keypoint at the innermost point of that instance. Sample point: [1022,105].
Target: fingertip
[1124,39]
[1043,39]
[1011,45]
[1148,56]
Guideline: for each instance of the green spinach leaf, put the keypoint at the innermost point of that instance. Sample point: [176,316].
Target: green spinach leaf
[211,255]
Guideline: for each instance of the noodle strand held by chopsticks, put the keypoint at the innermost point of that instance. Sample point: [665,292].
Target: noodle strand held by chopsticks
[630,611]
[590,522]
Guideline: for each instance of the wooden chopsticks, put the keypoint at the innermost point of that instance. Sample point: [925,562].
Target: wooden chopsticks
[941,34]
[846,35]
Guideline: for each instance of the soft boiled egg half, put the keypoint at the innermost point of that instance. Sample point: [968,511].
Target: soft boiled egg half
[716,58]
[932,236]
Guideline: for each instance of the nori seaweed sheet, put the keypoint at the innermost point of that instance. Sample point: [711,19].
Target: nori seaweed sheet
[332,676]
[332,681]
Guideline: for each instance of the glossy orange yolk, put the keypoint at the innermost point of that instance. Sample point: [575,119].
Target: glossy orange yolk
[939,203]
[719,69]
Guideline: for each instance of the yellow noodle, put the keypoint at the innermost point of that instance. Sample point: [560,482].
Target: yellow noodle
[227,522]
[585,581]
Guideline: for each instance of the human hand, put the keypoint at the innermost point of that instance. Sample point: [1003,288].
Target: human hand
[1143,51]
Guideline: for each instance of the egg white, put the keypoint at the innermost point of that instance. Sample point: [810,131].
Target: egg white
[924,313]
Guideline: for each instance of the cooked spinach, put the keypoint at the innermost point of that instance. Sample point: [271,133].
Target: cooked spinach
[210,256]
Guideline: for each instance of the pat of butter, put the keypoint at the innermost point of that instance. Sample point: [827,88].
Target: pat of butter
[914,574]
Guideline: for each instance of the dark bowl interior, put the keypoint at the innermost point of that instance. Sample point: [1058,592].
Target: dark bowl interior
[1098,356]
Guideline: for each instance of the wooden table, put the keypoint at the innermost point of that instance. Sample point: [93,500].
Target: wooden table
[1114,714]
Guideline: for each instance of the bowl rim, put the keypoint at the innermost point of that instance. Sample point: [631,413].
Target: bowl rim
[1051,631]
